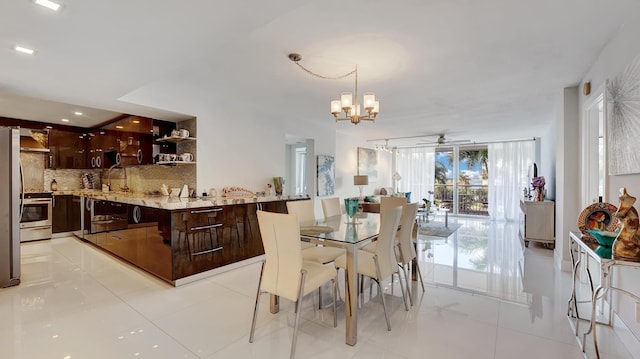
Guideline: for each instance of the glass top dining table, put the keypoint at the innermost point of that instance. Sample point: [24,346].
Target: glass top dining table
[343,232]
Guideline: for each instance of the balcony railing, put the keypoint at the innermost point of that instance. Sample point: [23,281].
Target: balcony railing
[472,199]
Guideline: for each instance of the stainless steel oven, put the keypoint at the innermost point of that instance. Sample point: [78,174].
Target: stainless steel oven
[36,222]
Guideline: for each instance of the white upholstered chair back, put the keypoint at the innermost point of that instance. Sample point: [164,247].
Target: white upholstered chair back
[390,202]
[386,242]
[303,210]
[405,243]
[283,254]
[331,207]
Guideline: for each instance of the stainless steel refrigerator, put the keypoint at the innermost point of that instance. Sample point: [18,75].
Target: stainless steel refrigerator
[10,184]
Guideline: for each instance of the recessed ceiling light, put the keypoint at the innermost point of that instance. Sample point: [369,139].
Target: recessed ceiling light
[64,120]
[119,126]
[77,113]
[24,50]
[136,121]
[48,4]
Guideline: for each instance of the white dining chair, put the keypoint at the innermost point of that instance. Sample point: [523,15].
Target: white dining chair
[284,273]
[331,207]
[382,264]
[304,211]
[406,251]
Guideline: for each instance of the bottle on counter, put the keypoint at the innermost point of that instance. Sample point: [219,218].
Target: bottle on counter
[54,185]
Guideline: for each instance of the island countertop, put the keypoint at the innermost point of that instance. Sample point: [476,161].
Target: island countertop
[173,203]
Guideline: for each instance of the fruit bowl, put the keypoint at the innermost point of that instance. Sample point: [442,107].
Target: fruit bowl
[604,238]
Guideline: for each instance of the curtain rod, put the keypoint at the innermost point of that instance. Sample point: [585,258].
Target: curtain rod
[469,144]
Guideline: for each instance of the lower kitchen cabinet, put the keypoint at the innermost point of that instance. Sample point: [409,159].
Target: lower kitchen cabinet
[66,213]
[176,244]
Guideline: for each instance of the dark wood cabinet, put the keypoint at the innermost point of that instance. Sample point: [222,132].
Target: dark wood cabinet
[66,213]
[67,149]
[101,148]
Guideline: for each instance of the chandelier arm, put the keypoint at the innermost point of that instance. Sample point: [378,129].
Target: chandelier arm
[354,71]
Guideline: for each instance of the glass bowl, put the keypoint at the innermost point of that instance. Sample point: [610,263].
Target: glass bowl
[604,238]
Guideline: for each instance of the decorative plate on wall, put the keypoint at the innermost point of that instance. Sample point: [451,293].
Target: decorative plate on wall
[599,215]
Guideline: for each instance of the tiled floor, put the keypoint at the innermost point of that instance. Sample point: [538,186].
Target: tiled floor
[485,298]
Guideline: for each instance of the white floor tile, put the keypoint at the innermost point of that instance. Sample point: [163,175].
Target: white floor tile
[485,297]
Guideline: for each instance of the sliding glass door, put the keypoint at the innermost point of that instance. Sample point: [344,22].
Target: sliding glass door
[461,176]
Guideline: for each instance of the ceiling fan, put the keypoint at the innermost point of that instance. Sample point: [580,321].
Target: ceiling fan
[442,140]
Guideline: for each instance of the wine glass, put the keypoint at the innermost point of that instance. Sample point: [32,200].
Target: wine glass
[351,207]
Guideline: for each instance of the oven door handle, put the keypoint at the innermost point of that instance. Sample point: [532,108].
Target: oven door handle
[37,201]
[39,228]
[108,221]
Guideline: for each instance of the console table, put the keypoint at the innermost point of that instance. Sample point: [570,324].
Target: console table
[581,250]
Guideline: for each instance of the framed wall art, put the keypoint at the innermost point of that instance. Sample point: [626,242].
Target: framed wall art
[326,175]
[623,120]
[368,163]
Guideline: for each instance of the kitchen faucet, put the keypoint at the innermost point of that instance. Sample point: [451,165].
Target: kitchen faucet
[123,189]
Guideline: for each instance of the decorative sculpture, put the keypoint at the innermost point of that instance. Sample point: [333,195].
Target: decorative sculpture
[627,244]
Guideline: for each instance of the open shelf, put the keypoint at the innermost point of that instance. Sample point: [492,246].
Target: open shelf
[175,139]
[176,163]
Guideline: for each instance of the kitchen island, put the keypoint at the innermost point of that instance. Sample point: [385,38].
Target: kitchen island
[179,240]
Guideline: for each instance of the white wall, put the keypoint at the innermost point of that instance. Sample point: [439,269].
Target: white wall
[567,191]
[615,56]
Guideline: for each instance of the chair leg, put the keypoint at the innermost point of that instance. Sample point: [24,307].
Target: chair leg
[335,299]
[420,276]
[298,310]
[255,309]
[384,304]
[404,292]
[407,281]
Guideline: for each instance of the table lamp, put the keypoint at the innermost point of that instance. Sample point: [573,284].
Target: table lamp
[360,181]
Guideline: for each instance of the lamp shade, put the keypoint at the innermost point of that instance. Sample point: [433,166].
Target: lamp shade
[397,177]
[360,180]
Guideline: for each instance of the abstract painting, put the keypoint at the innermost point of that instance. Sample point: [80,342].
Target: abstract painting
[368,163]
[326,175]
[623,120]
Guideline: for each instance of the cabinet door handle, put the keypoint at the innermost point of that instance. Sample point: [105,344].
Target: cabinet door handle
[115,237]
[206,227]
[206,210]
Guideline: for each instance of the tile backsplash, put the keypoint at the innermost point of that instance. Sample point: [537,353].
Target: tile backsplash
[139,179]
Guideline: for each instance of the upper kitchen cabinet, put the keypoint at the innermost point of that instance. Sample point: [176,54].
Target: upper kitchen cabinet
[67,149]
[134,138]
[101,148]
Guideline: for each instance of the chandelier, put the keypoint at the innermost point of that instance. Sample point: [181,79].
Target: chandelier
[385,147]
[348,104]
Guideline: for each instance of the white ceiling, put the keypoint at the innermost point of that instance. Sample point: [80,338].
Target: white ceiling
[479,70]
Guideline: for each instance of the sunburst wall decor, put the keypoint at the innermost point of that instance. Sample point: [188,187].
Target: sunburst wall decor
[623,120]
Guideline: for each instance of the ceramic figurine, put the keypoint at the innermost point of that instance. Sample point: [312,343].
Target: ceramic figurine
[627,244]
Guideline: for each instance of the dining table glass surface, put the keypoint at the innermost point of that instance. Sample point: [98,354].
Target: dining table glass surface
[341,229]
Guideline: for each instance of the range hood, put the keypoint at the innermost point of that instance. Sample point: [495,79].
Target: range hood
[30,144]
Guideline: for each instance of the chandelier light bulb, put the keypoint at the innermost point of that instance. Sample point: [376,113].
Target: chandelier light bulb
[336,107]
[369,101]
[347,100]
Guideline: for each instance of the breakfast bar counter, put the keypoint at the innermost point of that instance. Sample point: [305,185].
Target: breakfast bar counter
[176,239]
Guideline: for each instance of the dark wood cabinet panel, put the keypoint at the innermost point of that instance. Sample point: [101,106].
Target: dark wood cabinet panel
[67,149]
[66,213]
[175,244]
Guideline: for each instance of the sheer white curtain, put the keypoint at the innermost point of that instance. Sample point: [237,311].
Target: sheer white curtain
[509,164]
[416,166]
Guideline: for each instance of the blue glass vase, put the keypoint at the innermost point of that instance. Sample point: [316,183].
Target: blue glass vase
[351,207]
